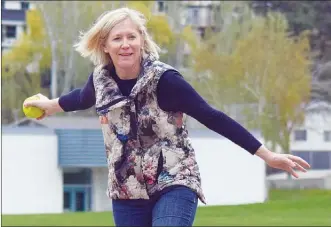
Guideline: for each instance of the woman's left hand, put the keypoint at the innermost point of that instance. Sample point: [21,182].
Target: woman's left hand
[286,162]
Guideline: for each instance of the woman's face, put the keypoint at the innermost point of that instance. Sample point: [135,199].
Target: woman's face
[124,45]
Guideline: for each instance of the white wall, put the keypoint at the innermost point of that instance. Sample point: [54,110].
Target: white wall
[31,179]
[230,175]
[315,124]
[100,200]
[14,5]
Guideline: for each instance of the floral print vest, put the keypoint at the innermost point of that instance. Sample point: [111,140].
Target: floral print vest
[147,148]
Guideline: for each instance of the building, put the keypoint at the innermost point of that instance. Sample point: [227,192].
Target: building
[13,21]
[198,14]
[312,141]
[201,15]
[58,165]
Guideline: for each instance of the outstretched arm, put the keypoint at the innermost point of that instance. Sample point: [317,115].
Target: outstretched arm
[175,94]
[80,98]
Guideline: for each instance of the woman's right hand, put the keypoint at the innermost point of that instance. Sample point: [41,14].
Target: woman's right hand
[50,106]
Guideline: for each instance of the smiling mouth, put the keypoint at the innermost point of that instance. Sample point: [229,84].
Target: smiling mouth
[125,55]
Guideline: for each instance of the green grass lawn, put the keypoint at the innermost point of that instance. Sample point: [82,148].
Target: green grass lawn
[285,207]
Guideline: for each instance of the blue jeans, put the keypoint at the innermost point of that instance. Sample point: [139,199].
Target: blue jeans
[176,207]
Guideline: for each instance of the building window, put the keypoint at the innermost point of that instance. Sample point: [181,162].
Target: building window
[25,5]
[202,32]
[327,136]
[6,67]
[10,31]
[320,160]
[195,16]
[300,135]
[161,6]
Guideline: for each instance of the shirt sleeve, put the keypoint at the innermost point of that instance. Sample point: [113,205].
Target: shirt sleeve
[175,94]
[80,98]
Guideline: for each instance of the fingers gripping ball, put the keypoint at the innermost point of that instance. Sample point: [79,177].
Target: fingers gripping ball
[32,111]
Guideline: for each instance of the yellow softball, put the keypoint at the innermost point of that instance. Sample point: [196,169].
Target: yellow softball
[32,111]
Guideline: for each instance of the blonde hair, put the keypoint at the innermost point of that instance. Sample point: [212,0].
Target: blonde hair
[91,43]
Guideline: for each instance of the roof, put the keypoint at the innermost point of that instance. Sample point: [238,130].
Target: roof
[78,122]
[65,122]
[30,130]
[319,106]
[13,15]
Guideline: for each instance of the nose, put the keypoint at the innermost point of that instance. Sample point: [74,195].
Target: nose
[125,44]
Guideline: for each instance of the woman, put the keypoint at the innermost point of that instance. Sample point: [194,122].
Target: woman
[154,178]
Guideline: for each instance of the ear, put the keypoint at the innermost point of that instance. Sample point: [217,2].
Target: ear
[105,49]
[105,46]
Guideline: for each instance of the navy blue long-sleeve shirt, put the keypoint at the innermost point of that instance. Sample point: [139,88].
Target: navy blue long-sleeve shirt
[173,94]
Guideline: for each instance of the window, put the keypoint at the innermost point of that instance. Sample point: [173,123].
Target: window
[10,31]
[317,159]
[6,67]
[202,32]
[300,135]
[161,6]
[305,155]
[320,160]
[25,5]
[327,136]
[195,16]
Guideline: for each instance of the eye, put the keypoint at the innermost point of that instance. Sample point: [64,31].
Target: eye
[132,37]
[116,38]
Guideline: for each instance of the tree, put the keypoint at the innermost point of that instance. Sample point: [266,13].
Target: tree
[321,83]
[175,50]
[308,15]
[234,21]
[181,35]
[23,66]
[304,15]
[263,66]
[157,24]
[66,19]
[63,21]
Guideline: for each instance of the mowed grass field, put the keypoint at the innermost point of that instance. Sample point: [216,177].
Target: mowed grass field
[284,208]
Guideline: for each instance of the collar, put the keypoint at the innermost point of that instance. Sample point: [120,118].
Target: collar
[108,94]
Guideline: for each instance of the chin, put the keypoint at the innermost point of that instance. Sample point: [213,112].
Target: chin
[127,64]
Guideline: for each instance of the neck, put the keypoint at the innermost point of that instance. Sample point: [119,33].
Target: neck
[127,74]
